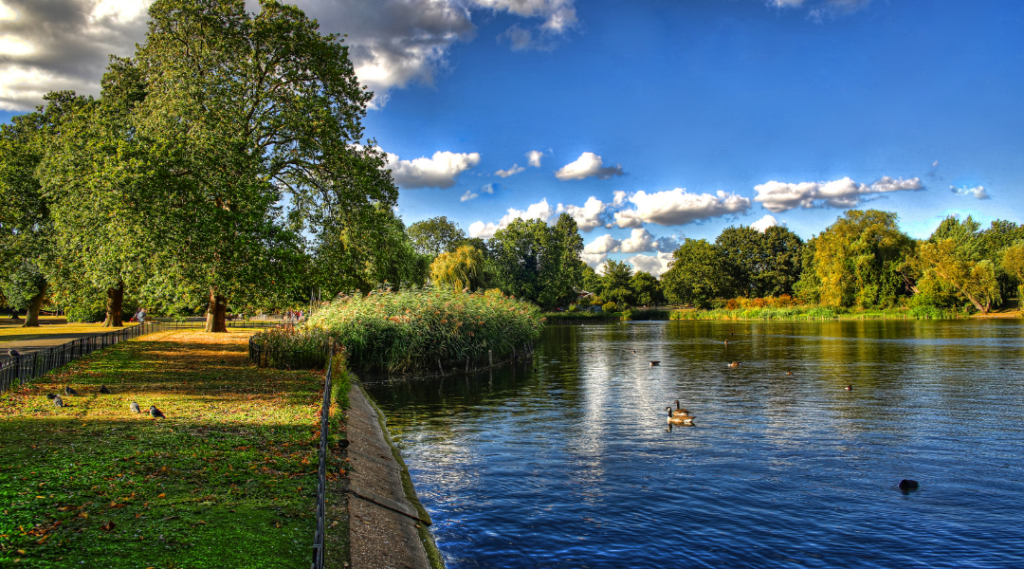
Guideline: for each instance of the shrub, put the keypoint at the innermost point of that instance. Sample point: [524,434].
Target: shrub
[609,307]
[291,347]
[417,330]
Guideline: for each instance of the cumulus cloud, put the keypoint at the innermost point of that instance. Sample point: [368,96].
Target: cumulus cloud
[592,214]
[469,195]
[678,207]
[540,210]
[844,193]
[439,171]
[818,9]
[63,44]
[977,192]
[656,265]
[588,165]
[595,260]
[596,252]
[765,222]
[515,169]
[534,157]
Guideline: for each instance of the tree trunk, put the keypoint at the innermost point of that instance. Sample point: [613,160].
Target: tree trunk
[32,314]
[216,312]
[115,299]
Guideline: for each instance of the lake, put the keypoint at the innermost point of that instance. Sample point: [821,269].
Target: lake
[567,461]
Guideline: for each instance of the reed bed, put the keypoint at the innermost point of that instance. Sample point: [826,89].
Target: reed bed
[814,313]
[401,332]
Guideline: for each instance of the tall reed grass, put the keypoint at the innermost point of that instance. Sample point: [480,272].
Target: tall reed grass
[398,332]
[812,313]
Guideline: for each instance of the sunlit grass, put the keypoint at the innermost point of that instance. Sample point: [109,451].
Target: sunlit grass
[13,332]
[228,479]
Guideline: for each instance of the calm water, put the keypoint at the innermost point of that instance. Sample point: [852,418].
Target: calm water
[568,462]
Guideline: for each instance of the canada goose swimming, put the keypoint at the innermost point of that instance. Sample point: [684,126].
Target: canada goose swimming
[679,411]
[655,362]
[734,364]
[678,419]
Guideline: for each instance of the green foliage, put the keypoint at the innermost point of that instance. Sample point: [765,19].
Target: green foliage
[459,269]
[953,261]
[1013,265]
[609,306]
[24,284]
[414,331]
[615,283]
[857,261]
[697,275]
[539,263]
[436,235]
[646,289]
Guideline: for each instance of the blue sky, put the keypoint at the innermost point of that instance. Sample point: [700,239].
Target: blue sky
[704,113]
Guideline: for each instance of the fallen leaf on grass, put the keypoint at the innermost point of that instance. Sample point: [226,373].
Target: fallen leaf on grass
[107,526]
[161,495]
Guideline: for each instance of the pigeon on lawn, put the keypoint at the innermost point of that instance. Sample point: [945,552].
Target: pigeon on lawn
[103,389]
[13,353]
[134,407]
[155,413]
[51,396]
[57,402]
[69,391]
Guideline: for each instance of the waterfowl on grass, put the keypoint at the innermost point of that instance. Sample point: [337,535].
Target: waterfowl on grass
[678,419]
[104,390]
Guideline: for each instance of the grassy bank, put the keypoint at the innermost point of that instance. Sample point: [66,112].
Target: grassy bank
[228,478]
[420,330]
[631,314]
[811,313]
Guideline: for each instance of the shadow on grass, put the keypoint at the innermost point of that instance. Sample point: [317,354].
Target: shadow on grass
[228,479]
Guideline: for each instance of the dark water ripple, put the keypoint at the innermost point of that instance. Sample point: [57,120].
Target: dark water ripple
[567,462]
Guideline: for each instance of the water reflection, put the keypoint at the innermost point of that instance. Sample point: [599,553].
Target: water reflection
[567,461]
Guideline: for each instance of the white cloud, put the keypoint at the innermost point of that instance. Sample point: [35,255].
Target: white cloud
[534,157]
[765,222]
[488,188]
[540,210]
[656,265]
[439,171]
[603,244]
[594,213]
[64,44]
[639,241]
[818,9]
[977,192]
[469,195]
[595,260]
[515,169]
[586,166]
[844,193]
[678,207]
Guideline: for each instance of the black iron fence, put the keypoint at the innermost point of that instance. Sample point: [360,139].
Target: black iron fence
[23,368]
[321,488]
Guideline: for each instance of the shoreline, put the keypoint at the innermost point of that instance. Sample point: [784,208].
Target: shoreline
[388,527]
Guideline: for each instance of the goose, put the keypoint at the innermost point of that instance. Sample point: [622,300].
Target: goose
[734,364]
[789,372]
[848,388]
[655,362]
[679,411]
[678,419]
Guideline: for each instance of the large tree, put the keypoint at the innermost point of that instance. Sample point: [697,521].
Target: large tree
[697,274]
[534,261]
[615,283]
[28,248]
[858,260]
[435,236]
[247,142]
[954,260]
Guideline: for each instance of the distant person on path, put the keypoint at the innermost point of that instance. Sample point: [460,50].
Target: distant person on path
[141,316]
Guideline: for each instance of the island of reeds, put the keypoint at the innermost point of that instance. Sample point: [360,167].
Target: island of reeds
[425,331]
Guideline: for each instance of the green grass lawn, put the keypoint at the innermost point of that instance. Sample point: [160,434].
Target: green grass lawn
[227,480]
[13,332]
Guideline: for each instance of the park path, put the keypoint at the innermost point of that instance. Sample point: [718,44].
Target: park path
[30,342]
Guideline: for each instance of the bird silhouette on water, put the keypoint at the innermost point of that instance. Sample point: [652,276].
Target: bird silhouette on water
[155,413]
[103,389]
[69,391]
[134,407]
[57,401]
